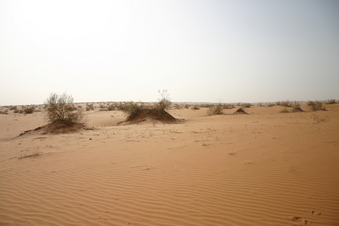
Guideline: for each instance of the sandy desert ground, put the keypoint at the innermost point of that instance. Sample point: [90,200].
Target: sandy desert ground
[265,168]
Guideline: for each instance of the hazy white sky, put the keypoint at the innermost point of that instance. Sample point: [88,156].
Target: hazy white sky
[204,51]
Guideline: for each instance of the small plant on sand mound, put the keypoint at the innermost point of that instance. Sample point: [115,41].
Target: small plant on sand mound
[215,110]
[62,108]
[131,109]
[138,112]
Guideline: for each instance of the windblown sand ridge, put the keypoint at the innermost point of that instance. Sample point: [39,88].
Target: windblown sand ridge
[264,168]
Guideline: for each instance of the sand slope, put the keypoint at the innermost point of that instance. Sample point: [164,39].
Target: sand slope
[265,168]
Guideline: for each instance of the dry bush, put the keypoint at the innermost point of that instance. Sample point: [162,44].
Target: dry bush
[286,103]
[61,107]
[195,107]
[89,107]
[111,107]
[215,110]
[131,109]
[245,105]
[228,106]
[164,102]
[284,110]
[331,101]
[295,104]
[5,112]
[29,110]
[315,106]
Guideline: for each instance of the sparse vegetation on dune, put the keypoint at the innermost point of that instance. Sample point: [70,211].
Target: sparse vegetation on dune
[138,112]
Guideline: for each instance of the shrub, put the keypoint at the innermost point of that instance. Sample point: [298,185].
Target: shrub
[61,107]
[131,109]
[315,105]
[111,107]
[295,104]
[228,106]
[284,110]
[195,107]
[331,101]
[29,110]
[215,110]
[285,103]
[89,107]
[164,102]
[245,105]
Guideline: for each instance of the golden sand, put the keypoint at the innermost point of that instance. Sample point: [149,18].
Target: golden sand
[264,168]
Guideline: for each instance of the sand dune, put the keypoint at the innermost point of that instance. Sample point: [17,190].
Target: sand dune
[265,168]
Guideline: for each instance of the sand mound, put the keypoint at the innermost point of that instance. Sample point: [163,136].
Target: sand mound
[297,110]
[57,127]
[159,115]
[240,111]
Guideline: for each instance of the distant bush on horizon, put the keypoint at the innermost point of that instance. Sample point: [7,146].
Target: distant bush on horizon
[315,106]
